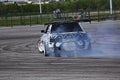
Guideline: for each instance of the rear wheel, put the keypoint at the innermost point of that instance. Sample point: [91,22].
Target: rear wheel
[89,47]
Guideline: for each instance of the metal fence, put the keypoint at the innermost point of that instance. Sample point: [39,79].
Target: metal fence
[12,20]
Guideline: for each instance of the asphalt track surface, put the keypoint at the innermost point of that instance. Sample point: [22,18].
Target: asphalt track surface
[20,60]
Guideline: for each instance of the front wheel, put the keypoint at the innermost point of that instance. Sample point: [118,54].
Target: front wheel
[40,46]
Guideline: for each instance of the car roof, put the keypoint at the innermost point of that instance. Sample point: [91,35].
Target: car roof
[60,22]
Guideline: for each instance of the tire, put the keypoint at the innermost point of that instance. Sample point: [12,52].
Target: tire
[40,46]
[43,48]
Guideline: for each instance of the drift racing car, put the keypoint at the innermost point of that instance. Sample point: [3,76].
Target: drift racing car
[63,38]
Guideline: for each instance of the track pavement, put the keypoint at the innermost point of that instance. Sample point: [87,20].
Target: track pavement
[20,60]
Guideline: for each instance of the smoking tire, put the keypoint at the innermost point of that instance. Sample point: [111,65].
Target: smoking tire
[89,47]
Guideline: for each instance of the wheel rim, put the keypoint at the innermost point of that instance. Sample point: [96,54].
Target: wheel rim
[41,49]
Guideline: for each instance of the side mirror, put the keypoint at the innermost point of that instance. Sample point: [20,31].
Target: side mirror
[42,31]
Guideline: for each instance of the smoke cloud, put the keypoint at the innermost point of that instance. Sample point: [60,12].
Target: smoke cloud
[105,39]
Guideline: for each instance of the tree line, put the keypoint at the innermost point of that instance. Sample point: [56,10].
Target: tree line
[67,6]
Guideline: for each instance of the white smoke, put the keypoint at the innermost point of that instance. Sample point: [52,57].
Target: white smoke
[105,39]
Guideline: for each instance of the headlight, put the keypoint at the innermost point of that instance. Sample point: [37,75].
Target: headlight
[57,44]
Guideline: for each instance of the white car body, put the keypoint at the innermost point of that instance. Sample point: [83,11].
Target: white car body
[61,38]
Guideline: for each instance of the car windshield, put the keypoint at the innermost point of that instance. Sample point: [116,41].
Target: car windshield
[66,27]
